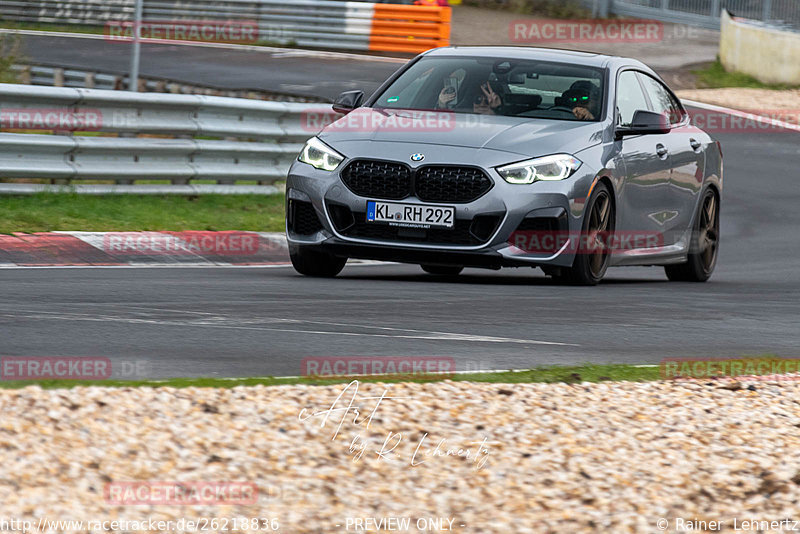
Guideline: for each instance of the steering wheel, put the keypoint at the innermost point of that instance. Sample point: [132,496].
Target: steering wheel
[560,108]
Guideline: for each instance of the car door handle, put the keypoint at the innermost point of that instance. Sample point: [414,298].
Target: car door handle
[662,151]
[695,144]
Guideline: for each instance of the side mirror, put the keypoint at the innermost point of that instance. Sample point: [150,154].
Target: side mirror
[645,122]
[348,101]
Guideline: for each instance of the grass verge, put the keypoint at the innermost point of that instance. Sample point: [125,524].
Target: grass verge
[549,374]
[50,27]
[714,76]
[46,212]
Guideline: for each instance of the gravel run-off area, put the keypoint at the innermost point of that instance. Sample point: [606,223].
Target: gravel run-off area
[605,457]
[783,105]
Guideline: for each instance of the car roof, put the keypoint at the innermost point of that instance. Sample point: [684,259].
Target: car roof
[574,57]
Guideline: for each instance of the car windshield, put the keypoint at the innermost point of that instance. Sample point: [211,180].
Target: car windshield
[497,86]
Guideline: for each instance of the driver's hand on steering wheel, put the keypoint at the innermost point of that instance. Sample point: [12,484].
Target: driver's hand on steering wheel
[582,113]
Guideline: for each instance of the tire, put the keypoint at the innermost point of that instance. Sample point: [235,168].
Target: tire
[588,269]
[310,262]
[704,246]
[442,270]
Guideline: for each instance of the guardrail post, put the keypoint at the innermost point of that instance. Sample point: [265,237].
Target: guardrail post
[25,75]
[602,8]
[58,77]
[136,52]
[766,10]
[89,80]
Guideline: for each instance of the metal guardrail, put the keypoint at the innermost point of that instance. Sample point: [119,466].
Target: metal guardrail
[158,136]
[61,77]
[783,14]
[305,23]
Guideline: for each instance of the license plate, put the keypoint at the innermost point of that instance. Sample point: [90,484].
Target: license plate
[411,215]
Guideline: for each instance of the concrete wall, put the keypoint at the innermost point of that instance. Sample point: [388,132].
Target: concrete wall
[771,56]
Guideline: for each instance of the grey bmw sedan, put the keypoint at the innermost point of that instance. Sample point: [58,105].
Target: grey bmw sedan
[510,157]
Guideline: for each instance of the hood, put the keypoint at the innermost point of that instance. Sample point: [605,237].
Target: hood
[520,135]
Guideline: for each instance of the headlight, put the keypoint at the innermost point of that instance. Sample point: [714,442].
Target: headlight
[320,156]
[555,167]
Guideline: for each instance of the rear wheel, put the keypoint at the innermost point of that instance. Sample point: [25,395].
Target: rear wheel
[442,270]
[702,257]
[318,263]
[592,254]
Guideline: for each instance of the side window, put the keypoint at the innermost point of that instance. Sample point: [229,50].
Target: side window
[630,97]
[662,101]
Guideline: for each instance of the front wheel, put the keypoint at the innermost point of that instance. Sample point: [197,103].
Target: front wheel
[442,270]
[317,263]
[704,245]
[592,253]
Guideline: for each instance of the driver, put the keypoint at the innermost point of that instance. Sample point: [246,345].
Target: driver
[584,100]
[487,101]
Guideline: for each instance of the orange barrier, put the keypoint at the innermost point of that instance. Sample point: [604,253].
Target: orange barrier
[402,28]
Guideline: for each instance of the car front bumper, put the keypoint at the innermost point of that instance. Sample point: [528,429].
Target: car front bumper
[485,232]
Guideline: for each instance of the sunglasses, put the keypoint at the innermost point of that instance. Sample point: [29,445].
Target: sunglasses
[576,99]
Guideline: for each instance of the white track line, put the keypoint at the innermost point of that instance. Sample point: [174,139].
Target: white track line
[151,266]
[411,334]
[355,263]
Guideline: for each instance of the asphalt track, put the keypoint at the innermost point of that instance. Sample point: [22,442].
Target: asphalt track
[225,67]
[306,73]
[264,321]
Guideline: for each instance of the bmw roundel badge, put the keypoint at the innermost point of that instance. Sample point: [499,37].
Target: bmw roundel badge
[417,157]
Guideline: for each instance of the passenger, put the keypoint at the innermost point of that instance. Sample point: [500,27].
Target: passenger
[487,102]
